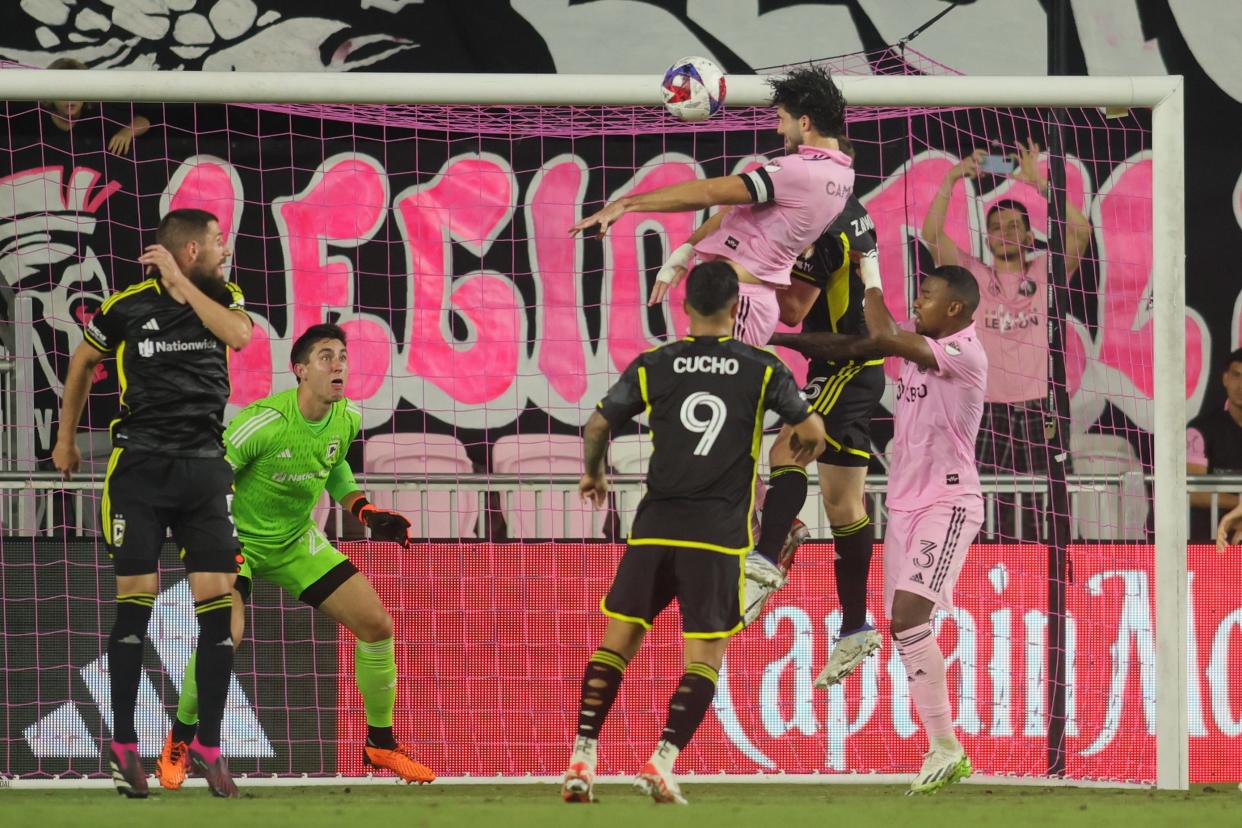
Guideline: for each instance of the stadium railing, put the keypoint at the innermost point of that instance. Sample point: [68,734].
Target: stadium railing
[1019,492]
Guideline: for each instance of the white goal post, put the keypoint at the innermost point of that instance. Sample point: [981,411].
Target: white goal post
[1163,95]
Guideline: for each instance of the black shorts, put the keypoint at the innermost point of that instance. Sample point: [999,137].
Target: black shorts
[846,395]
[707,585]
[146,494]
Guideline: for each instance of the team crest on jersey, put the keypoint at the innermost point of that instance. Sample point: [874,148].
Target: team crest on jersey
[118,530]
[951,349]
[333,448]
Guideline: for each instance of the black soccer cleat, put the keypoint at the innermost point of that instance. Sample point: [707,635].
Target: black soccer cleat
[127,772]
[216,773]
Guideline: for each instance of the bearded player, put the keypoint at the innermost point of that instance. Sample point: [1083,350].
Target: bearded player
[285,450]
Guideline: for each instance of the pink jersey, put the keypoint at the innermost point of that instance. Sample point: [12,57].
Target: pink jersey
[795,198]
[936,423]
[1012,309]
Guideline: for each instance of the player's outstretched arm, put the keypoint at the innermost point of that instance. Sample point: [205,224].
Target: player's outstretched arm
[65,455]
[688,195]
[828,346]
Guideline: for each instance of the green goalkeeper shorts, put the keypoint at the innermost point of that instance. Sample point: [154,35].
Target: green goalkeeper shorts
[294,566]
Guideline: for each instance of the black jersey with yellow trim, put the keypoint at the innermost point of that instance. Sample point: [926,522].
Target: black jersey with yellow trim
[831,264]
[704,398]
[174,371]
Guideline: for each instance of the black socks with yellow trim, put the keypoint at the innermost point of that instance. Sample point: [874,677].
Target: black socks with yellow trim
[214,665]
[125,646]
[784,500]
[689,704]
[851,564]
[600,683]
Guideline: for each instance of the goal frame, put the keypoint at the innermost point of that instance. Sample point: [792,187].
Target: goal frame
[1164,95]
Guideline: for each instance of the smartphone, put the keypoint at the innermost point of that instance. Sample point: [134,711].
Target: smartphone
[996,164]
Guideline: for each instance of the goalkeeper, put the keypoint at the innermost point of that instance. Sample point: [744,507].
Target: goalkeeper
[285,450]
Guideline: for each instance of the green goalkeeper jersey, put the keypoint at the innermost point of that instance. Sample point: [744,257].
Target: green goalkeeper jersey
[283,463]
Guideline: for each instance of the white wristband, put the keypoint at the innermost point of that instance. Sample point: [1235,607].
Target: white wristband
[681,257]
[869,270]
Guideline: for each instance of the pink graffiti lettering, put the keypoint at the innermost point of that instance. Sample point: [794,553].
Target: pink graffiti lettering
[343,206]
[469,201]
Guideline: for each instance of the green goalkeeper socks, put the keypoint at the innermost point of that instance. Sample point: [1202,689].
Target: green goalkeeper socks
[375,668]
[187,705]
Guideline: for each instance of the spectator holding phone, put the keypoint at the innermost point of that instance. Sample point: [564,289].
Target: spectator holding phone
[1012,310]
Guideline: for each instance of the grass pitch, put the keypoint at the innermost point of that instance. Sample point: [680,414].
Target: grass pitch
[517,806]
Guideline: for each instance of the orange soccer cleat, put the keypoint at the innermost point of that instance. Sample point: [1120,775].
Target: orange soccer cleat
[174,763]
[399,761]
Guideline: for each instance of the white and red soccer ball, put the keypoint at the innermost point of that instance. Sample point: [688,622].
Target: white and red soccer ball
[693,89]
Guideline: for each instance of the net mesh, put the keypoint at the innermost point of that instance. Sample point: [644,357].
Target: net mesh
[481,336]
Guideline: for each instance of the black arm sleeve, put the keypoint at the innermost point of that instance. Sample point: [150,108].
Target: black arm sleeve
[784,398]
[627,398]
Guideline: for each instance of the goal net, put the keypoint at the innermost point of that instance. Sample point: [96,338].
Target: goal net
[480,337]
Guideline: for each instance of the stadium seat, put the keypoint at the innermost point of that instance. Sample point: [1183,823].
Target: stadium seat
[561,513]
[1111,512]
[418,454]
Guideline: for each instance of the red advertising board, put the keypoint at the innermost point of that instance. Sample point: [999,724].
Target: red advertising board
[492,639]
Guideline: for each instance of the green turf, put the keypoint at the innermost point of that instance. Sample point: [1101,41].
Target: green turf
[517,806]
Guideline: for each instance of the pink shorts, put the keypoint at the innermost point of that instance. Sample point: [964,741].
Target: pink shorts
[757,314]
[924,549]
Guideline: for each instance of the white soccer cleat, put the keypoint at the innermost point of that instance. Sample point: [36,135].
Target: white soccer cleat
[763,579]
[579,784]
[941,766]
[847,655]
[658,785]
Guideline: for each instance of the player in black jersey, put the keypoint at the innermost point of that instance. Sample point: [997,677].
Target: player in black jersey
[826,293]
[170,335]
[704,396]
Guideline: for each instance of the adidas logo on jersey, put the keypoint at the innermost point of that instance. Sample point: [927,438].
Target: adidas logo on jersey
[917,578]
[151,325]
[285,455]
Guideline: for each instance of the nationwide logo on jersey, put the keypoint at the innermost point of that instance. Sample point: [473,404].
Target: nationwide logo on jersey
[118,530]
[333,448]
[146,348]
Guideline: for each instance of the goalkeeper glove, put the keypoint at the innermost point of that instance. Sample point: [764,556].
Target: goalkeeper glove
[388,526]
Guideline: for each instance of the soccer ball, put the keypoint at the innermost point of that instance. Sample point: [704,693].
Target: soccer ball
[693,89]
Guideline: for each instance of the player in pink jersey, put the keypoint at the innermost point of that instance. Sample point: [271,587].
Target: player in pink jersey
[779,209]
[777,212]
[934,500]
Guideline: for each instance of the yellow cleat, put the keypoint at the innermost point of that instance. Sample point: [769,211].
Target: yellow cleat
[399,762]
[173,765]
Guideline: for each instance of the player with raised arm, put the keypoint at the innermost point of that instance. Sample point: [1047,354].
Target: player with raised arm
[934,499]
[778,211]
[287,449]
[705,396]
[827,289]
[171,335]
